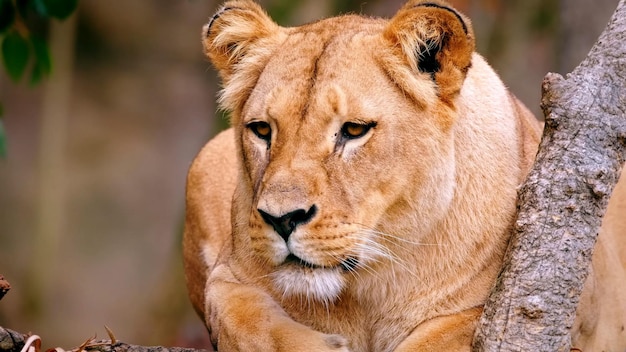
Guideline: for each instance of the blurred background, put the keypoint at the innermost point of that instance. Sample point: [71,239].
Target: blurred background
[92,186]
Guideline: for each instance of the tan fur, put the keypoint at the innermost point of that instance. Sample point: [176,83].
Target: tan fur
[398,234]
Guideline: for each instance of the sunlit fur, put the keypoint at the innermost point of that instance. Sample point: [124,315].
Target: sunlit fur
[408,222]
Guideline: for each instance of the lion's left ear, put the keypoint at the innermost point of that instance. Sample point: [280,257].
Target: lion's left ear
[436,39]
[233,31]
[238,40]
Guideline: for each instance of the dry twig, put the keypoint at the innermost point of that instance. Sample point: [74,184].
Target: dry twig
[12,341]
[4,286]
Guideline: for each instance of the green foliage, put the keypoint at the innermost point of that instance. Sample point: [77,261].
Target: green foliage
[22,42]
[15,51]
[22,37]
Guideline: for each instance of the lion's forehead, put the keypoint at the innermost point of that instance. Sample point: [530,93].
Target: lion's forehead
[307,57]
[325,69]
[318,73]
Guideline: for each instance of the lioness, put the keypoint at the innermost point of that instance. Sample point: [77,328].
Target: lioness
[365,194]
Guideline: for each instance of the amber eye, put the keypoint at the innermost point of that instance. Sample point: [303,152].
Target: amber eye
[261,129]
[353,130]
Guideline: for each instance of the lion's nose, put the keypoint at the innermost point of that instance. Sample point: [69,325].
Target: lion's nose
[285,224]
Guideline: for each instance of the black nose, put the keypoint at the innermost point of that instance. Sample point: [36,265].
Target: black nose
[285,224]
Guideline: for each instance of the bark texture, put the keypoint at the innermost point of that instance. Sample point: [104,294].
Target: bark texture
[532,307]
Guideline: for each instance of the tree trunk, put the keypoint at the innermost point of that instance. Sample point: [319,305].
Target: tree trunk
[561,205]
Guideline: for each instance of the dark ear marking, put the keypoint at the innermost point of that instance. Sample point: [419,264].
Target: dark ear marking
[458,16]
[214,18]
[427,56]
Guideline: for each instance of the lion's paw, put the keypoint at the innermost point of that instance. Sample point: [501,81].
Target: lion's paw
[309,341]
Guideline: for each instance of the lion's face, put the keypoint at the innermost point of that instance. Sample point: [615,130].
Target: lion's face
[346,149]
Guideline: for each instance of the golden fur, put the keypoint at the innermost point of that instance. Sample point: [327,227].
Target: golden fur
[364,196]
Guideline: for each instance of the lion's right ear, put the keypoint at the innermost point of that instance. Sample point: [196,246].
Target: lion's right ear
[232,34]
[435,39]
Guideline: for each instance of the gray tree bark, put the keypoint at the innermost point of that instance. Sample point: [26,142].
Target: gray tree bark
[561,205]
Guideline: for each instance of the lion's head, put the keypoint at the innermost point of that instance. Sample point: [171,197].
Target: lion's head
[355,143]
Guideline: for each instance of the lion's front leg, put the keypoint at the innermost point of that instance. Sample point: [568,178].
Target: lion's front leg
[450,333]
[245,318]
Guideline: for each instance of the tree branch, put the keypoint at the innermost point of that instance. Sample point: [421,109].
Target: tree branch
[12,341]
[561,205]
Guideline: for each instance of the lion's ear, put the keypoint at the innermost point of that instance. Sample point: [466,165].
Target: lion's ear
[435,39]
[234,32]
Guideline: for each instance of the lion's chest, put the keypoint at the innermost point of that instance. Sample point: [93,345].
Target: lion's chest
[369,326]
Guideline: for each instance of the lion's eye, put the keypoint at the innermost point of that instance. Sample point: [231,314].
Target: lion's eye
[261,129]
[353,130]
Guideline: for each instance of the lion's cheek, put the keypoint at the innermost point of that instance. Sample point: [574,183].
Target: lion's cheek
[255,160]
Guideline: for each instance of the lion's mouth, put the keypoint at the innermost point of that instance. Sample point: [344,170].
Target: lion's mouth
[292,258]
[348,264]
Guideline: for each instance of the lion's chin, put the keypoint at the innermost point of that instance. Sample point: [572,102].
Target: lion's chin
[313,284]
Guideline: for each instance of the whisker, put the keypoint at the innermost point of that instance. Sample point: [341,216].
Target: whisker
[388,237]
[374,251]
